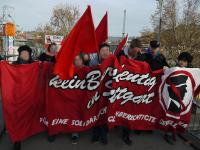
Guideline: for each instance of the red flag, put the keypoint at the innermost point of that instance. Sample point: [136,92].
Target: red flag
[102,30]
[121,45]
[82,38]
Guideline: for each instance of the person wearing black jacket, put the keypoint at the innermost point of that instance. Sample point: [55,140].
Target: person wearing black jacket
[154,58]
[4,128]
[24,57]
[184,61]
[49,55]
[132,52]
[99,133]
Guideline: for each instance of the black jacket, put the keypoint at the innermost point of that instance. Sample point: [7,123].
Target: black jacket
[156,63]
[45,57]
[139,57]
[20,61]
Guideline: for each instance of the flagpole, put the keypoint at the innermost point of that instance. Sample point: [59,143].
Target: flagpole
[124,24]
[160,19]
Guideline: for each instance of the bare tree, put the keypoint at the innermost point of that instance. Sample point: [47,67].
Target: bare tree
[180,28]
[64,17]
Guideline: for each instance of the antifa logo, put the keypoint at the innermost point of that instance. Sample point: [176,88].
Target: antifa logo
[180,85]
[176,93]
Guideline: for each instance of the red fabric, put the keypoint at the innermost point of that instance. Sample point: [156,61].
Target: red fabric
[23,95]
[121,45]
[113,93]
[102,30]
[82,38]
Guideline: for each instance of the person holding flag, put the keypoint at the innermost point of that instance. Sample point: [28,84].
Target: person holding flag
[131,52]
[184,61]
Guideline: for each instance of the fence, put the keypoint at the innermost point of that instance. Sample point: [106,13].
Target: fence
[194,126]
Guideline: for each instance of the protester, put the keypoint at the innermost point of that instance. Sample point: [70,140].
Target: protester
[79,63]
[134,51]
[49,55]
[100,132]
[86,59]
[154,58]
[4,127]
[184,61]
[104,53]
[24,57]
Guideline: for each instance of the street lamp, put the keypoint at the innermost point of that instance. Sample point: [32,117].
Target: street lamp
[160,19]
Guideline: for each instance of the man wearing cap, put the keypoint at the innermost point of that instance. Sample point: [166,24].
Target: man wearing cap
[154,58]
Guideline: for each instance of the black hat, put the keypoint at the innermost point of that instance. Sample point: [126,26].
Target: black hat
[154,44]
[24,48]
[185,56]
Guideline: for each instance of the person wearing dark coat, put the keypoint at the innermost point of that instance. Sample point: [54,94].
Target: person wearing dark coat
[184,61]
[24,57]
[99,133]
[49,55]
[154,58]
[134,51]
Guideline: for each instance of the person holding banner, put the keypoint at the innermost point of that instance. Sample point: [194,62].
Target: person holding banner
[24,57]
[154,58]
[3,125]
[49,55]
[79,63]
[184,61]
[86,59]
[100,132]
[132,52]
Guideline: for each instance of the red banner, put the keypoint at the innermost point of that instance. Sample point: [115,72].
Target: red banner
[23,94]
[123,93]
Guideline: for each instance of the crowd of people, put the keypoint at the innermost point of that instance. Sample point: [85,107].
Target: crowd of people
[134,51]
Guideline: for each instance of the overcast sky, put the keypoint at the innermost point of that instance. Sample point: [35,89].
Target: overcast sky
[30,13]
